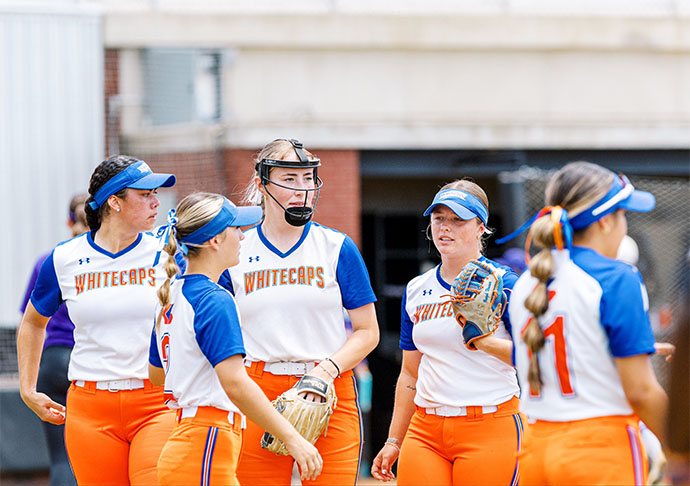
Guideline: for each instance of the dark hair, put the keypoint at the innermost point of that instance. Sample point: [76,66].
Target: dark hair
[105,171]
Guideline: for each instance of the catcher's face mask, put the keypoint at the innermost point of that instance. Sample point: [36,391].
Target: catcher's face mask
[299,215]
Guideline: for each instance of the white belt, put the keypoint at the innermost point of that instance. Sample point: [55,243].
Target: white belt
[287,367]
[446,411]
[188,412]
[115,385]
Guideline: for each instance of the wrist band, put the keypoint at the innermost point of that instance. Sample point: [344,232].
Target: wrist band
[393,442]
[337,368]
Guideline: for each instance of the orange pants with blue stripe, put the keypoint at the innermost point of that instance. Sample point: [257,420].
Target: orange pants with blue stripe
[115,438]
[340,448]
[476,449]
[202,450]
[597,451]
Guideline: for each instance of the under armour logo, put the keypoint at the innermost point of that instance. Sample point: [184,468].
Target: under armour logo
[84,260]
[256,258]
[426,292]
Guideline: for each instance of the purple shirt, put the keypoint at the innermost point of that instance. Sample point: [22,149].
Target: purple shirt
[60,329]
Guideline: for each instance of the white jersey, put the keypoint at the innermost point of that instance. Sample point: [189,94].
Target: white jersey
[292,303]
[597,311]
[199,329]
[109,297]
[450,374]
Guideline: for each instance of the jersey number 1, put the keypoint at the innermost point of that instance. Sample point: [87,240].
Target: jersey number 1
[556,330]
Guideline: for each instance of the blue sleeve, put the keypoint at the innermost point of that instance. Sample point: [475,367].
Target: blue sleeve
[226,282]
[154,357]
[509,279]
[46,296]
[32,282]
[406,326]
[353,277]
[624,314]
[217,326]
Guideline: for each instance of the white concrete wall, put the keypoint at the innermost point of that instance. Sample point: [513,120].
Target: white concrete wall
[51,130]
[439,74]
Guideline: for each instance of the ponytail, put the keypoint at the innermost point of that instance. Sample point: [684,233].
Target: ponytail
[541,267]
[171,269]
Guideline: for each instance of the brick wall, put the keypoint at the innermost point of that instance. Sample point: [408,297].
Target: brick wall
[229,170]
[339,204]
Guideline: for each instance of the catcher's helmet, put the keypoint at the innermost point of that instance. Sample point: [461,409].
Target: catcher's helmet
[296,216]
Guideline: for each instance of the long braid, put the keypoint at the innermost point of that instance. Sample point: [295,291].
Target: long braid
[171,269]
[575,187]
[192,212]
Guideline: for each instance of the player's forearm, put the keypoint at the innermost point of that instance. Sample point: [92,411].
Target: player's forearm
[404,406]
[250,399]
[496,347]
[30,341]
[362,341]
[652,408]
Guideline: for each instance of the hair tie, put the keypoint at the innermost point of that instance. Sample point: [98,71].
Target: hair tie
[562,230]
[165,232]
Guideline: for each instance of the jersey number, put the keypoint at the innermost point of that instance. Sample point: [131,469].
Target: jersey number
[556,330]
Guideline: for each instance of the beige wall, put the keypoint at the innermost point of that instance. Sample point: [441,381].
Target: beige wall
[445,79]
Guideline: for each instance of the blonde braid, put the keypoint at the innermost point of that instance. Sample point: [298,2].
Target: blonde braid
[171,269]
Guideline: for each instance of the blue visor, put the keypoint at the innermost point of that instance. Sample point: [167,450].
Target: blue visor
[463,204]
[137,176]
[229,215]
[622,195]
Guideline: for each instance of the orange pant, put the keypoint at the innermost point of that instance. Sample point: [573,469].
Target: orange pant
[116,437]
[340,449]
[476,449]
[202,450]
[598,451]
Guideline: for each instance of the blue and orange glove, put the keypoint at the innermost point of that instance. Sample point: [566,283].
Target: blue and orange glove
[478,300]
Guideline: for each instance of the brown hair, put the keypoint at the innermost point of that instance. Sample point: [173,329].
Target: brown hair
[575,187]
[105,171]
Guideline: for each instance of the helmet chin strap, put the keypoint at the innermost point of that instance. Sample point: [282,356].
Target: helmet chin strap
[299,215]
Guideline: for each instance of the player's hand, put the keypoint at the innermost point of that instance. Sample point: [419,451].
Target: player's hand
[46,409]
[383,462]
[665,349]
[306,456]
[326,371]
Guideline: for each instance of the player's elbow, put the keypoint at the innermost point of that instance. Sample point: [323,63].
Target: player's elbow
[644,394]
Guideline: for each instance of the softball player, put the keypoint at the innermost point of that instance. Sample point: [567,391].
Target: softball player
[116,422]
[52,374]
[455,419]
[197,339]
[582,337]
[291,284]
